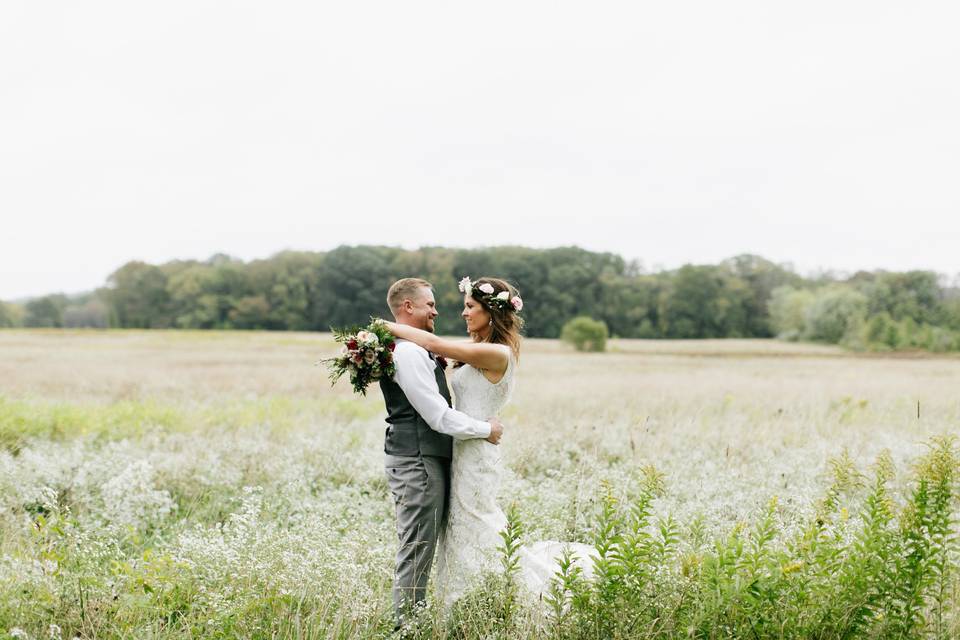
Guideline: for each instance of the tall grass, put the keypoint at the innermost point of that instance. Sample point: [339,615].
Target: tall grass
[890,571]
[885,570]
[188,487]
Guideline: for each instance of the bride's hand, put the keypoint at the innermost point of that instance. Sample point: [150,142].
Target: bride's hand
[496,431]
[391,327]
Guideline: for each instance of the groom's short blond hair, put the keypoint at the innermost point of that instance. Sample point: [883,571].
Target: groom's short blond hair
[405,289]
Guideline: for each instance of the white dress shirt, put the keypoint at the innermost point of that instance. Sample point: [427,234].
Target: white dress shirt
[415,376]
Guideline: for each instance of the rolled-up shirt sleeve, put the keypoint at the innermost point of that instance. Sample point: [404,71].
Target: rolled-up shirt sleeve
[415,375]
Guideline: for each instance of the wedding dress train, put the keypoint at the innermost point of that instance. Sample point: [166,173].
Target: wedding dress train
[469,547]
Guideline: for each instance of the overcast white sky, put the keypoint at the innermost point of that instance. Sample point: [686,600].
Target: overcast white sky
[825,134]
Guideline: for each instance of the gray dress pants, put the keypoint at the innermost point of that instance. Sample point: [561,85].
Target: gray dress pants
[419,485]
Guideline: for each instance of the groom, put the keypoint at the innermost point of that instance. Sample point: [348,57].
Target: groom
[419,443]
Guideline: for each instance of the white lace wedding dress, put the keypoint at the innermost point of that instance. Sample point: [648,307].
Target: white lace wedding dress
[468,548]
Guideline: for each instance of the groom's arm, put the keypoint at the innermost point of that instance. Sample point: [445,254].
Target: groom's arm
[415,375]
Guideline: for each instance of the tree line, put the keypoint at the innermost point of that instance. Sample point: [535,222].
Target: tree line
[743,297]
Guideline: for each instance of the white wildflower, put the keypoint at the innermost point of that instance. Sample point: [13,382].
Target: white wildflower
[130,498]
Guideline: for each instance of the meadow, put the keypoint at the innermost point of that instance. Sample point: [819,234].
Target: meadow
[170,484]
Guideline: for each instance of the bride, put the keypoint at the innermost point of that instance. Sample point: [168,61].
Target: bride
[482,383]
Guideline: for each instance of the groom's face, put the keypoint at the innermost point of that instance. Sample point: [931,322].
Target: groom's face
[424,310]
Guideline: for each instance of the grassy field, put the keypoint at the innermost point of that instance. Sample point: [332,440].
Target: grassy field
[205,484]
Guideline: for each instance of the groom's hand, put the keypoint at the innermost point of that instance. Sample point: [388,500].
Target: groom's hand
[496,430]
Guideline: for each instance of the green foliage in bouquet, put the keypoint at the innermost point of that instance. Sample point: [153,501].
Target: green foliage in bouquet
[367,355]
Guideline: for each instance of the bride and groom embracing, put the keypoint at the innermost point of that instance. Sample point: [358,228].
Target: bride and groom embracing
[443,463]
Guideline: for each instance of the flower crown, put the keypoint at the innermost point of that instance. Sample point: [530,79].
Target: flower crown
[485,291]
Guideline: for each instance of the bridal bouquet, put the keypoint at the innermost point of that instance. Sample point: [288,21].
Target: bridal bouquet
[367,355]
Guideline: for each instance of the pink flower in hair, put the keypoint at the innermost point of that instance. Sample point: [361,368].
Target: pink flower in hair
[517,303]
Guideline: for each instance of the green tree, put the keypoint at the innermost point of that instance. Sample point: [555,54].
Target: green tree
[585,334]
[882,331]
[703,301]
[628,304]
[911,333]
[744,296]
[762,278]
[353,285]
[788,311]
[837,312]
[192,305]
[288,283]
[249,312]
[951,311]
[11,315]
[942,339]
[137,296]
[45,312]
[913,294]
[91,313]
[556,284]
[228,284]
[204,295]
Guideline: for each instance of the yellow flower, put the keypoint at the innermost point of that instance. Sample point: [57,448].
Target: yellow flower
[792,567]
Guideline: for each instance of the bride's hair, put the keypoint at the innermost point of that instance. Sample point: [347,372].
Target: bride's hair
[505,323]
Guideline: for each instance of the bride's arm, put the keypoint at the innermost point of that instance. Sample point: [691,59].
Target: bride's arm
[479,355]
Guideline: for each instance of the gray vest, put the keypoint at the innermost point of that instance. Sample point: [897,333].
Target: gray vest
[407,433]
